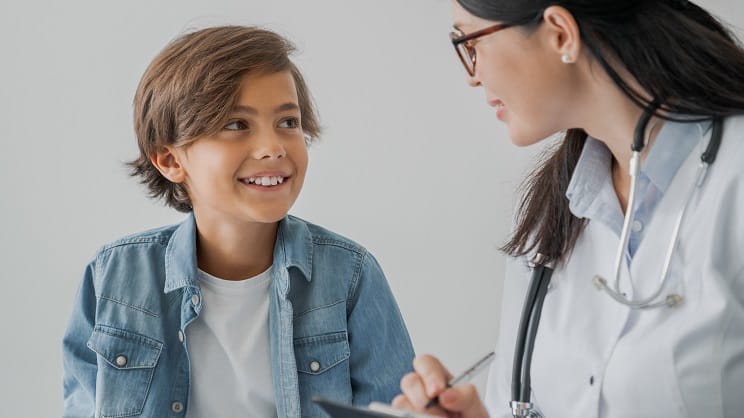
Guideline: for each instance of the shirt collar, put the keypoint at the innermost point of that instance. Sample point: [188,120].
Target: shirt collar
[592,174]
[671,148]
[293,248]
[180,256]
[590,178]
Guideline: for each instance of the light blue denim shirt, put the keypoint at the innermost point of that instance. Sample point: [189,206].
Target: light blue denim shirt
[124,351]
[592,195]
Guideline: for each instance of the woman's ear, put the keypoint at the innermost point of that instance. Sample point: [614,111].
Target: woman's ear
[563,32]
[165,159]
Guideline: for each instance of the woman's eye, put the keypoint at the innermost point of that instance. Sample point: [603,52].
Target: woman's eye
[290,123]
[236,125]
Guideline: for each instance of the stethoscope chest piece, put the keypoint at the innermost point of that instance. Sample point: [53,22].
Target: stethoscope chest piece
[523,410]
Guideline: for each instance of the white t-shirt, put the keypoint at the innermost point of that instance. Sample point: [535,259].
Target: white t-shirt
[229,351]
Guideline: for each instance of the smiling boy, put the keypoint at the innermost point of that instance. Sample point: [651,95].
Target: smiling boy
[241,309]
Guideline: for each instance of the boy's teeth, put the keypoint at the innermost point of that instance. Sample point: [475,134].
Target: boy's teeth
[266,180]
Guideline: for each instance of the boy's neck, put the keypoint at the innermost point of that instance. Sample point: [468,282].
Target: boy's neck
[235,252]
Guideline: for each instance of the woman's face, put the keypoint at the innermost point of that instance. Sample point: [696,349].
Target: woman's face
[522,76]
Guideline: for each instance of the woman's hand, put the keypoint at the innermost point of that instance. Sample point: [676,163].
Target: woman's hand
[428,381]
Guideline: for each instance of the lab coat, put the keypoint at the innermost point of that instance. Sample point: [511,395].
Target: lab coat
[594,357]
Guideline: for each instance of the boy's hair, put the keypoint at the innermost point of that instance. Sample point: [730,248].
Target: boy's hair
[190,88]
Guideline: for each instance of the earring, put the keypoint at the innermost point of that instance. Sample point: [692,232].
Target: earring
[566,59]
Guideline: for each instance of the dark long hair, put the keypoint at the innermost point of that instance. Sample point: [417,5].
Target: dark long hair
[683,57]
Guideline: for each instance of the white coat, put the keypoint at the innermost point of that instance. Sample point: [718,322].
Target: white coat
[594,357]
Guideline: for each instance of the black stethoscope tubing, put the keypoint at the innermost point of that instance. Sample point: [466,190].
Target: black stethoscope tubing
[527,331]
[538,288]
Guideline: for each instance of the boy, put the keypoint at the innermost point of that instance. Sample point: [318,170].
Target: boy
[240,310]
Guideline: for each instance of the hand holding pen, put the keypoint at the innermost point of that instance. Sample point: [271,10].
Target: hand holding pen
[431,388]
[465,376]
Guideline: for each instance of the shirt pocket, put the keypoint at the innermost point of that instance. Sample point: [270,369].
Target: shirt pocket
[323,369]
[126,364]
[317,354]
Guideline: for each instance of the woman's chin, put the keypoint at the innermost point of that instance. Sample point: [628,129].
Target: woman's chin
[522,139]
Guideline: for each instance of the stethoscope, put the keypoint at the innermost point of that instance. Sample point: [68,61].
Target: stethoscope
[531,309]
[542,272]
[706,159]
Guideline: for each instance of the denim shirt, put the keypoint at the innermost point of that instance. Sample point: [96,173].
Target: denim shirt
[335,328]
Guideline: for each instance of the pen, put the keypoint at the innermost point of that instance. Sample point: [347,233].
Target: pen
[466,375]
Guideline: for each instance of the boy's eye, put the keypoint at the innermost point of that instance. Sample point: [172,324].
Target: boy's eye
[236,125]
[290,123]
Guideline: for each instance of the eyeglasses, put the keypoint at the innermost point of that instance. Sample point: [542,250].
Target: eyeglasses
[464,46]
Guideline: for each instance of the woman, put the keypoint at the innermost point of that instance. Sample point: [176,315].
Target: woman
[659,332]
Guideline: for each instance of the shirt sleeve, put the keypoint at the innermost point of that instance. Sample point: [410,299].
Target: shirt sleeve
[78,361]
[381,349]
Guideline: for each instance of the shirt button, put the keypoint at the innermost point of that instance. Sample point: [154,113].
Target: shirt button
[314,366]
[591,380]
[121,361]
[195,300]
[177,407]
[180,335]
[637,226]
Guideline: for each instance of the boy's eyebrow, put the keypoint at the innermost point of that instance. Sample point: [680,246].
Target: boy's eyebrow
[281,108]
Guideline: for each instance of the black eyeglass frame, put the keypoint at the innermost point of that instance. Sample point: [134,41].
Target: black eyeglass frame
[458,38]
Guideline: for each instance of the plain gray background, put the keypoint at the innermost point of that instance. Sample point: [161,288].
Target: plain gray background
[412,164]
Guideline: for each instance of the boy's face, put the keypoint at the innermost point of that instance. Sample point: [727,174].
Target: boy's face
[253,169]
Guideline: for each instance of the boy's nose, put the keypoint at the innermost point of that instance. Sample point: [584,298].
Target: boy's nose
[269,147]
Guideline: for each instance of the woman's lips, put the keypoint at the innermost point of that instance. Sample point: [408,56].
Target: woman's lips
[499,106]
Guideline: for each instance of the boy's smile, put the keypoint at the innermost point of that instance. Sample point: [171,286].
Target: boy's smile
[265,180]
[254,168]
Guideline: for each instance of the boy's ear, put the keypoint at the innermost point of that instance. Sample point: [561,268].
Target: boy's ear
[166,161]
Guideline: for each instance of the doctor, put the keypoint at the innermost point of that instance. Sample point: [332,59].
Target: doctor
[644,316]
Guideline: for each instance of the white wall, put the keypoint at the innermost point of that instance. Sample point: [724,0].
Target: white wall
[413,164]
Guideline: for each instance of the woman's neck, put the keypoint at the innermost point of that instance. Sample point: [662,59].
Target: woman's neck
[611,117]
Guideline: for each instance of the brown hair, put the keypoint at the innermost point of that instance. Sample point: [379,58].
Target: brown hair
[190,88]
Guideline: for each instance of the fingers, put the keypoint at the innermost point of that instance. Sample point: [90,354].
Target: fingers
[432,373]
[402,402]
[414,391]
[465,400]
[427,381]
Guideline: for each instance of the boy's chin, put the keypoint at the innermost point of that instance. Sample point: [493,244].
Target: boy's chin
[242,213]
[267,216]
[269,219]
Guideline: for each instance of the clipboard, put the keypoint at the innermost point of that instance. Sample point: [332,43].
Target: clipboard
[376,410]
